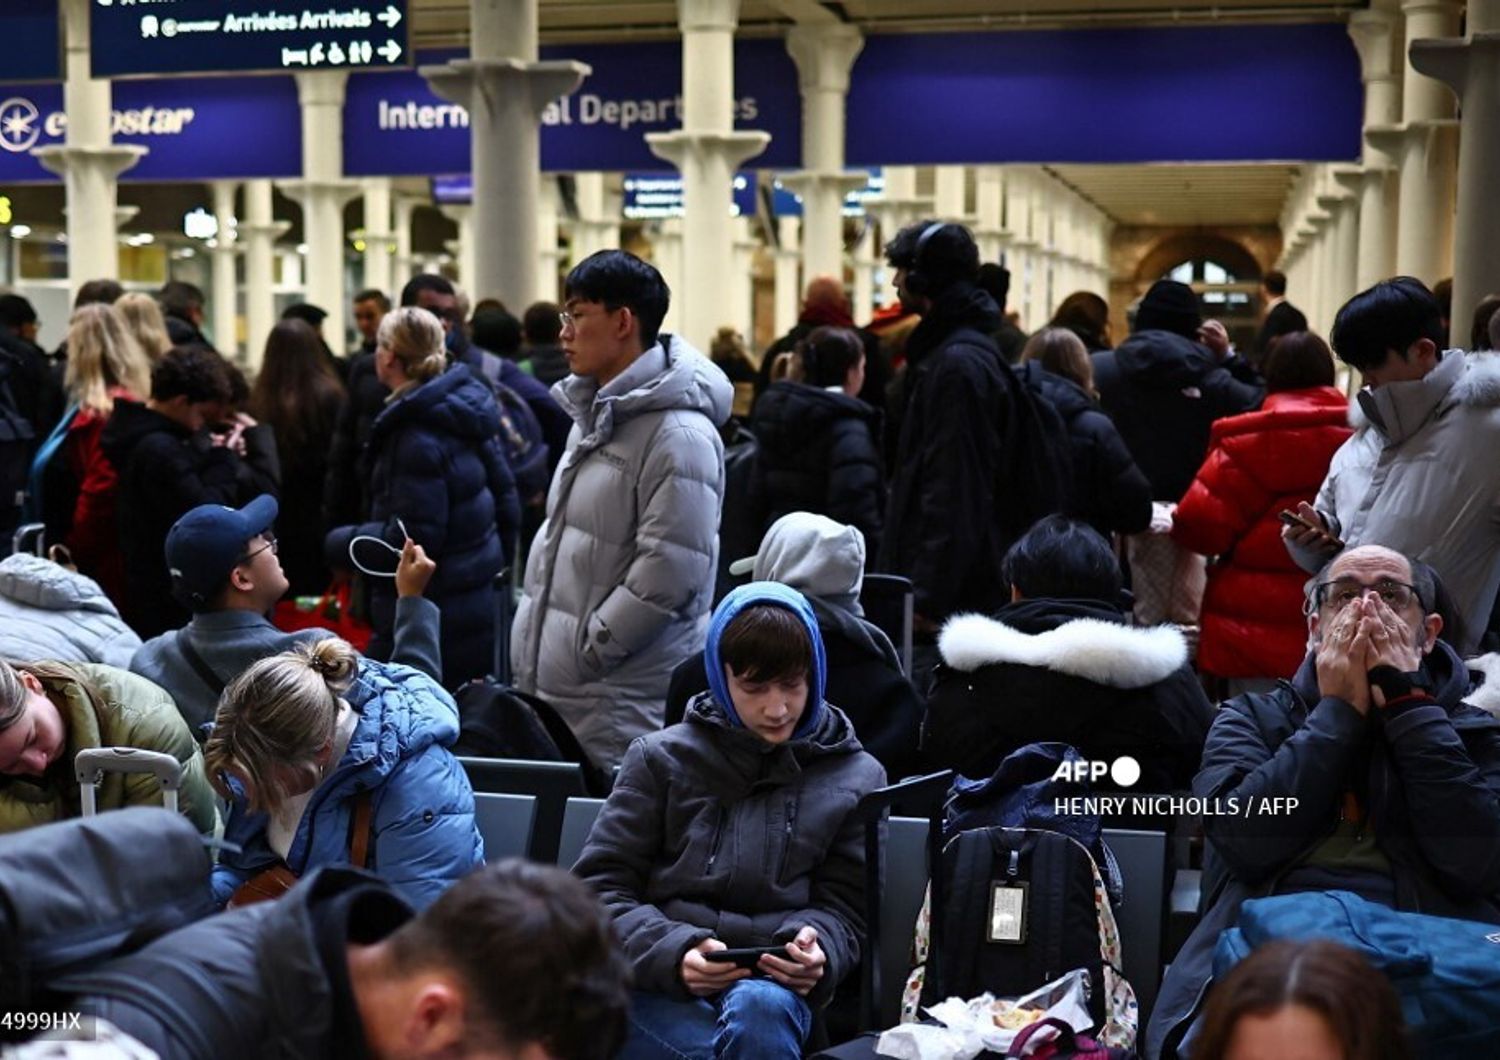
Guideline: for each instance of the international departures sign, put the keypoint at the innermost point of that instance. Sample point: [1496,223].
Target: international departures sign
[137,37]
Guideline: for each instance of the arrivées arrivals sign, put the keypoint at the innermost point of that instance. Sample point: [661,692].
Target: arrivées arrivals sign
[141,37]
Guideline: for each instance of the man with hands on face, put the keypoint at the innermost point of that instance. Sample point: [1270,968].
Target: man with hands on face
[736,829]
[1396,779]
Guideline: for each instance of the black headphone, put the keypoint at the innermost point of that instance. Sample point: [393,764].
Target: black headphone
[917,280]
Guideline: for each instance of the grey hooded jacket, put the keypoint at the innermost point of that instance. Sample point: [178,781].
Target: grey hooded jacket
[50,612]
[620,577]
[1420,476]
[710,832]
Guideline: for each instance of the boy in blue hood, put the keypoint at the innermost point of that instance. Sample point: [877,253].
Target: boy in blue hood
[736,829]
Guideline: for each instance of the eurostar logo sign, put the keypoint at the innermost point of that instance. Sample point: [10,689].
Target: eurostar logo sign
[20,125]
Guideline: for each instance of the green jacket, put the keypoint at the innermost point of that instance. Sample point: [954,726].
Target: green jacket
[131,712]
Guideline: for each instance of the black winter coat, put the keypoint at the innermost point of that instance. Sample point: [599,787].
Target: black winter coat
[1426,772]
[346,490]
[947,528]
[165,472]
[1108,491]
[864,680]
[548,364]
[1164,391]
[436,465]
[877,361]
[819,452]
[184,332]
[34,387]
[710,832]
[1069,671]
[266,980]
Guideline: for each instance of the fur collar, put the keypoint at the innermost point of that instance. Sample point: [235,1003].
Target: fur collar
[1486,696]
[1106,653]
[1477,387]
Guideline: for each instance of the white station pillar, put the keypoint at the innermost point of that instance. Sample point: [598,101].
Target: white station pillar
[224,287]
[1471,67]
[378,236]
[322,193]
[824,54]
[505,90]
[88,162]
[788,290]
[1377,37]
[259,233]
[706,151]
[1429,155]
[597,226]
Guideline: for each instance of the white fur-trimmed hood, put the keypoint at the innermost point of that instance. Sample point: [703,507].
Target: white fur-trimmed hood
[1487,696]
[1106,653]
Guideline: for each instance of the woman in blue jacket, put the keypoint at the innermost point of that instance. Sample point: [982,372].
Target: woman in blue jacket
[325,757]
[439,476]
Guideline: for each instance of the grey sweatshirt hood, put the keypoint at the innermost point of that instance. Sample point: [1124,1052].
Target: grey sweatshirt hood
[813,554]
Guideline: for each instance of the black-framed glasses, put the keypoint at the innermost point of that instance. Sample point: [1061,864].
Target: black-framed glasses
[1342,592]
[270,543]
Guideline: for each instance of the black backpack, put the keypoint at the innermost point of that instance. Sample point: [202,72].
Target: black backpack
[498,721]
[1027,894]
[1036,475]
[17,440]
[521,435]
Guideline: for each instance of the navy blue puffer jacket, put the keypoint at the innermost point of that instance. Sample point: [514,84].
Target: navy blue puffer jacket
[435,465]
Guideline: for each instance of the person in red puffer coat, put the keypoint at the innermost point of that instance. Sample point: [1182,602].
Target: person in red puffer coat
[1259,463]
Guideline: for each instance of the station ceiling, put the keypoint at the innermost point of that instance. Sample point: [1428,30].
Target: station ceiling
[1186,195]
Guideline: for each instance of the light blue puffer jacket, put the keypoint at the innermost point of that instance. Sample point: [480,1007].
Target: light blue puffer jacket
[425,836]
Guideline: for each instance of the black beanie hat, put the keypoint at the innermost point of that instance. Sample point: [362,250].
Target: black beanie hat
[1169,306]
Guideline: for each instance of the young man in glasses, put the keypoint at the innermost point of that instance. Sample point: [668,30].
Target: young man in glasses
[225,569]
[1420,474]
[1366,772]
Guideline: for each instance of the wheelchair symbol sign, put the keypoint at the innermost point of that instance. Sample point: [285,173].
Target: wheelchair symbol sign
[20,125]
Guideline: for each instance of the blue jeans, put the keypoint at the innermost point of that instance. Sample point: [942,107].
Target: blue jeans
[755,1019]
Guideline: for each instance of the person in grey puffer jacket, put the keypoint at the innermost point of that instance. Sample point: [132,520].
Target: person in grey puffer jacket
[50,612]
[737,828]
[620,577]
[1419,474]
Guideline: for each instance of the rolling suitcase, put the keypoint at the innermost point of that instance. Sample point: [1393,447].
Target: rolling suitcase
[92,763]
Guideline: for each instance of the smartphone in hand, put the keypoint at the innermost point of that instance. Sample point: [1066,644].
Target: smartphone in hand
[1296,522]
[745,957]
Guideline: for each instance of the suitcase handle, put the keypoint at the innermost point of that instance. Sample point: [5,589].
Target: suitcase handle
[90,765]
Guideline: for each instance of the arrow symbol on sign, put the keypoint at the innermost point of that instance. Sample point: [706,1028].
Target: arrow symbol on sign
[390,16]
[390,51]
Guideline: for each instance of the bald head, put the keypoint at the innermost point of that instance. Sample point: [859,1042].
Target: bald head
[825,291]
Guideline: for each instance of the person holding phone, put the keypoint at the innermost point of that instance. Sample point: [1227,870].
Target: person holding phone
[729,853]
[1419,473]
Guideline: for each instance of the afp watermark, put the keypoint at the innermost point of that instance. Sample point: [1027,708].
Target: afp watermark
[1125,772]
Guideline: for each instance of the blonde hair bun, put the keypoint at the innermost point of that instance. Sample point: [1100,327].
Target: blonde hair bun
[335,660]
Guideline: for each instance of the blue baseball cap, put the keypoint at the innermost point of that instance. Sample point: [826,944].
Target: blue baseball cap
[206,543]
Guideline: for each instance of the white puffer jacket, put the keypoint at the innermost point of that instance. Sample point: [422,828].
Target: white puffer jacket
[620,578]
[49,612]
[1420,475]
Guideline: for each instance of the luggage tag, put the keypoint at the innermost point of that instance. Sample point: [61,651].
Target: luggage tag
[1007,919]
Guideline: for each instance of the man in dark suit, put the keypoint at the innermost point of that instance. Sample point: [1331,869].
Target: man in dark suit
[1282,318]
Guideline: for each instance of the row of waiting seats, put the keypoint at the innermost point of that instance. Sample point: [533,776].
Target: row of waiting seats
[541,810]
